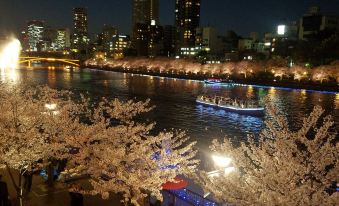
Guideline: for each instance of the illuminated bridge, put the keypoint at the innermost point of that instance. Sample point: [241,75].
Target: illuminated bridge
[29,60]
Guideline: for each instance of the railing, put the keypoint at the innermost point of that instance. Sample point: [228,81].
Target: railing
[192,198]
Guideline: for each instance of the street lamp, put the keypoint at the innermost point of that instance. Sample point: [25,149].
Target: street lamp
[220,161]
[224,168]
[223,165]
[52,108]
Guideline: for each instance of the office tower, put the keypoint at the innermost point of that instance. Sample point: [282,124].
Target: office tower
[63,39]
[141,37]
[145,26]
[35,31]
[154,12]
[120,44]
[80,38]
[108,32]
[169,40]
[314,23]
[187,19]
[145,12]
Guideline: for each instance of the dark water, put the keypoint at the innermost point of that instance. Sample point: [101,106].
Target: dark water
[175,101]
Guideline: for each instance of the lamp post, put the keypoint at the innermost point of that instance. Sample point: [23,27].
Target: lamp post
[51,112]
[52,108]
[223,167]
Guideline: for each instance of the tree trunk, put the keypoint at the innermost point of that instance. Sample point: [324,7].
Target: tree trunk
[18,188]
[50,175]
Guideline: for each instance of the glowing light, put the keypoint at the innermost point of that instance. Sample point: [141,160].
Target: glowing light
[229,170]
[51,106]
[221,161]
[281,30]
[9,59]
[9,55]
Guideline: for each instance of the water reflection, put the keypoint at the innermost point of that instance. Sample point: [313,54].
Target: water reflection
[52,78]
[9,76]
[175,101]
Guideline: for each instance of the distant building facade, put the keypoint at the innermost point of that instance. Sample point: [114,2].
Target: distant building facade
[146,29]
[120,44]
[313,23]
[108,33]
[63,39]
[35,32]
[80,38]
[187,20]
[145,11]
[169,40]
[207,40]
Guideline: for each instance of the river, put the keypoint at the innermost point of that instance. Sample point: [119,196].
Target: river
[175,100]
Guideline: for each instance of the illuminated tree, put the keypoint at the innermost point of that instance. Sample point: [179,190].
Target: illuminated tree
[335,67]
[100,141]
[282,167]
[247,68]
[120,155]
[228,68]
[299,72]
[280,72]
[29,133]
[276,62]
[322,73]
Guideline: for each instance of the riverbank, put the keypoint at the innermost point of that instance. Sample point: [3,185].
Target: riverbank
[284,84]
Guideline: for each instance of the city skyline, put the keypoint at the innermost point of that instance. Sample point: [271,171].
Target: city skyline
[119,14]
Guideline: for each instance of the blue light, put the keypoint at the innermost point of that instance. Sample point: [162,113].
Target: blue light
[192,198]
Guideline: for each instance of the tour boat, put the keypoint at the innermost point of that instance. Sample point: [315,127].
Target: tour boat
[213,81]
[232,105]
[217,81]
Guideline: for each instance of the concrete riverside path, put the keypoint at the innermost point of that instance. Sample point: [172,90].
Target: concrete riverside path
[43,195]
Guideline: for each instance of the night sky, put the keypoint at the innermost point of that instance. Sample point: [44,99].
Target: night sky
[242,16]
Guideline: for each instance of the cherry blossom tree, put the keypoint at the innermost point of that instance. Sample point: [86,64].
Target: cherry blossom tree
[280,72]
[29,128]
[248,68]
[228,68]
[322,73]
[299,72]
[282,167]
[101,141]
[120,155]
[276,62]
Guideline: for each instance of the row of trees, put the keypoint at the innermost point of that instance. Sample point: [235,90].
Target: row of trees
[104,142]
[276,68]
[101,141]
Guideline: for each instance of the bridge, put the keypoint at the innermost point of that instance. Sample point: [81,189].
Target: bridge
[29,60]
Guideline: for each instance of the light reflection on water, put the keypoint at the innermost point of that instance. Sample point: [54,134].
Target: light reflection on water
[175,101]
[10,76]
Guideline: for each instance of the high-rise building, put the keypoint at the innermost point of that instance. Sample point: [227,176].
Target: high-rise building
[63,39]
[120,44]
[141,36]
[80,39]
[313,24]
[145,12]
[49,39]
[35,31]
[23,37]
[155,41]
[108,32]
[187,19]
[207,40]
[145,26]
[169,40]
[153,6]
